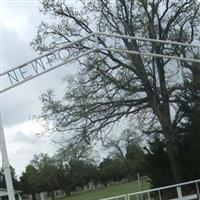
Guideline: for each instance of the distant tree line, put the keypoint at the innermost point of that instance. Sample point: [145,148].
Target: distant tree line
[72,167]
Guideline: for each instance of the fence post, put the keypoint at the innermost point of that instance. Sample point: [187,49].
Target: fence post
[179,192]
[149,197]
[198,193]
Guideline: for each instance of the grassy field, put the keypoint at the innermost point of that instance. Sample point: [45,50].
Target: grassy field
[110,191]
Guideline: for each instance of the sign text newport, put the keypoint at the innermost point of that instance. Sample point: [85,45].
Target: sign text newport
[41,65]
[33,68]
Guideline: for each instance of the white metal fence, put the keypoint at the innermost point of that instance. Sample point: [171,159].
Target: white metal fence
[183,191]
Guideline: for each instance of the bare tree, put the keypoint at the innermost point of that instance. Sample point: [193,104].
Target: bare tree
[112,86]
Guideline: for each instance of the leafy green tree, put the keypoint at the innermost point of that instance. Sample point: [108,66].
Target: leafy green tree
[127,148]
[190,108]
[81,173]
[111,169]
[188,147]
[14,179]
[29,181]
[135,157]
[48,172]
[2,180]
[157,163]
[77,165]
[114,86]
[41,175]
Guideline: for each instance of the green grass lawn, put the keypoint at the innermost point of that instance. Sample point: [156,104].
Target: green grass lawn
[110,191]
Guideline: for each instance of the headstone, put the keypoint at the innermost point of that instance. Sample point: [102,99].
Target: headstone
[42,196]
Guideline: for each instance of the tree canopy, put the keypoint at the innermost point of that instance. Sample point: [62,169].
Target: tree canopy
[114,86]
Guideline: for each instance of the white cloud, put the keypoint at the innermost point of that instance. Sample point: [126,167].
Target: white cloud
[27,127]
[20,25]
[19,28]
[23,143]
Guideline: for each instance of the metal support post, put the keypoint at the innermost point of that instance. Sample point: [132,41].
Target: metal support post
[5,164]
[198,193]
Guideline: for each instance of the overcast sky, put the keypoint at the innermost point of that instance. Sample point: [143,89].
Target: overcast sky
[19,22]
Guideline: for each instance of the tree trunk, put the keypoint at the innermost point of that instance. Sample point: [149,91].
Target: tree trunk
[172,151]
[33,196]
[172,144]
[52,195]
[175,166]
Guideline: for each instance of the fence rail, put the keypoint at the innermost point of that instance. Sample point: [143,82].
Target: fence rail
[184,191]
[121,197]
[95,43]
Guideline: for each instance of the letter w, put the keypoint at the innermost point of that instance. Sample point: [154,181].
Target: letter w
[36,64]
